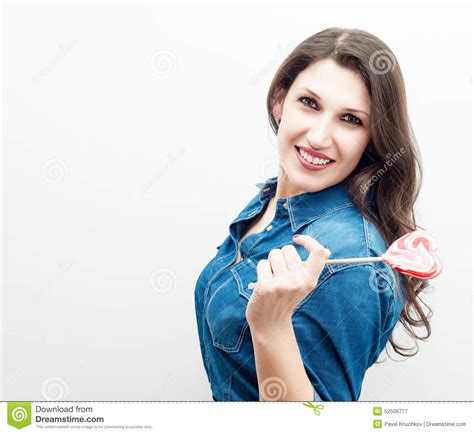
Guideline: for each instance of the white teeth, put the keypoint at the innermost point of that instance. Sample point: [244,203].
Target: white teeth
[313,160]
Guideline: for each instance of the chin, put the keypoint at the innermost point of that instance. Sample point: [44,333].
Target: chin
[310,184]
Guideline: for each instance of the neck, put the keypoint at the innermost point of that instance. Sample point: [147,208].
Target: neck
[284,188]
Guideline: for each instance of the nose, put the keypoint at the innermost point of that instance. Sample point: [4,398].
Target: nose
[320,134]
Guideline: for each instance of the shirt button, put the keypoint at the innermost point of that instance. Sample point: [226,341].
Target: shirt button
[285,205]
[251,285]
[269,228]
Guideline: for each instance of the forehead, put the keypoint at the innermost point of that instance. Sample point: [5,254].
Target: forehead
[339,86]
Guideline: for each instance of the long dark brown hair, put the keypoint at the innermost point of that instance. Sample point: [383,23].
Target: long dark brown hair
[385,184]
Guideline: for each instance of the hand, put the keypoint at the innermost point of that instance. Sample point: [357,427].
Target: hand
[283,280]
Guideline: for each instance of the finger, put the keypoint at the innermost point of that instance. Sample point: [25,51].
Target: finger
[292,258]
[277,262]
[317,253]
[264,272]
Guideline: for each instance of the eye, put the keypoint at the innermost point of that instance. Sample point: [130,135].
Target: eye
[305,98]
[352,119]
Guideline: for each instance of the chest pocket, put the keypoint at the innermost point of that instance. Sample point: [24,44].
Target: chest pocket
[225,312]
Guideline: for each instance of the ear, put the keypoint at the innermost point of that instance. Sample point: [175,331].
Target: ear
[277,109]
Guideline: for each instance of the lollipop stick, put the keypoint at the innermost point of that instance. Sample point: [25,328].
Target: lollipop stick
[349,260]
[415,254]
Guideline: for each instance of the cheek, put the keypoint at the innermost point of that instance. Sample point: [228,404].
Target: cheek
[351,144]
[351,157]
[351,137]
[294,124]
[285,138]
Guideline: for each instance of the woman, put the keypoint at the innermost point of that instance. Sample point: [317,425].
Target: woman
[275,322]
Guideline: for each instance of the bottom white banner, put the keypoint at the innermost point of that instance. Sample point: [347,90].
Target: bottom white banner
[238,417]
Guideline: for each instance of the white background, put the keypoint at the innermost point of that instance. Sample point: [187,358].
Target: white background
[113,171]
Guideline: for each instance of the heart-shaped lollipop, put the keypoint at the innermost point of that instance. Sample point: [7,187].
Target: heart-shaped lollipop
[415,254]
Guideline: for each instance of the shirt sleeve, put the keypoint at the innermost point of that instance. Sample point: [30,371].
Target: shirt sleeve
[342,326]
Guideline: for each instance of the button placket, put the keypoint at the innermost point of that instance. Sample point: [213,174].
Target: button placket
[251,285]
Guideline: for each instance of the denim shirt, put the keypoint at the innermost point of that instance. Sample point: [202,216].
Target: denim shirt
[341,326]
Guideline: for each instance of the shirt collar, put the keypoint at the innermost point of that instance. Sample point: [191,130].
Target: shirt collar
[307,207]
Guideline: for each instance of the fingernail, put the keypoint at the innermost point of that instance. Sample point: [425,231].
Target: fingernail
[296,236]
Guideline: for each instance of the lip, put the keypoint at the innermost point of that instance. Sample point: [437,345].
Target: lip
[315,154]
[311,166]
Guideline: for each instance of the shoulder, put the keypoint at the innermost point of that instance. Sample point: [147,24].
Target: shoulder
[357,285]
[349,234]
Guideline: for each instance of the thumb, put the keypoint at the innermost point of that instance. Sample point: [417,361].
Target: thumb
[317,252]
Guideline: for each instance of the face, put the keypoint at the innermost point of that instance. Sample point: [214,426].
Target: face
[325,111]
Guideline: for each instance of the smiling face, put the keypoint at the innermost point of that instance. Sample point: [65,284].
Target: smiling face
[325,111]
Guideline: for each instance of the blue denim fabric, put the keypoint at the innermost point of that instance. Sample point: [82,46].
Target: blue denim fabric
[341,326]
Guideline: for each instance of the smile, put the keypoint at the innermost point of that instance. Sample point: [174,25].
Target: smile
[311,163]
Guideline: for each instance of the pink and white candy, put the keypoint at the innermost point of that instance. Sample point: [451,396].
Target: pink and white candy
[416,254]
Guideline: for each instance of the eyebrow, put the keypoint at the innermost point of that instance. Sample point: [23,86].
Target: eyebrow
[318,97]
